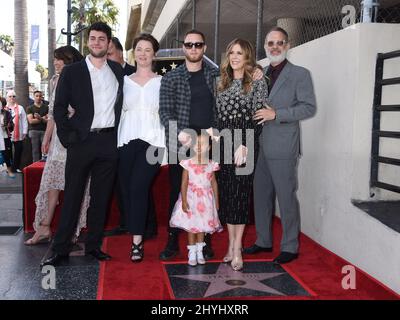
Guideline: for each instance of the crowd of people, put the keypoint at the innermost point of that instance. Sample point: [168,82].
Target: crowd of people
[228,135]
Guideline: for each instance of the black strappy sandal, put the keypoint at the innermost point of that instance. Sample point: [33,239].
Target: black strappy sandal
[137,252]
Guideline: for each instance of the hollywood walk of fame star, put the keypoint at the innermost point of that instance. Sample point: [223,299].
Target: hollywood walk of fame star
[173,66]
[226,279]
[164,70]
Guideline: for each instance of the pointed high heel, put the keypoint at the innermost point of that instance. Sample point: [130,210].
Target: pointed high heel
[237,261]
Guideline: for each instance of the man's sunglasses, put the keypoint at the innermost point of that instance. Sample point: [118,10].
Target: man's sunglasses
[279,43]
[197,45]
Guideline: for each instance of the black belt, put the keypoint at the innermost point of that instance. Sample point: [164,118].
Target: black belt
[102,130]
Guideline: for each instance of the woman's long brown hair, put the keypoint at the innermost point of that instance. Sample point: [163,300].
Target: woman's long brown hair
[249,66]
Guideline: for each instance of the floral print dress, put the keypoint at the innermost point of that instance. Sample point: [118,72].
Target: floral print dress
[202,215]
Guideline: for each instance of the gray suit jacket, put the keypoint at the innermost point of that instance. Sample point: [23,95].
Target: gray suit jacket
[293,99]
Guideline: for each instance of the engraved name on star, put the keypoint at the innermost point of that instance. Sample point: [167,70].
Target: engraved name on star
[226,279]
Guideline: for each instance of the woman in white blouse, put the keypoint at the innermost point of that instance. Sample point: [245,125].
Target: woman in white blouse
[140,140]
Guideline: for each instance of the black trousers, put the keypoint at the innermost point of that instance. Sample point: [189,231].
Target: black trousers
[7,153]
[97,156]
[175,181]
[18,147]
[136,176]
[151,222]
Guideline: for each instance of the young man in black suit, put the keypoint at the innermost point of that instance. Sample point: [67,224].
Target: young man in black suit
[87,111]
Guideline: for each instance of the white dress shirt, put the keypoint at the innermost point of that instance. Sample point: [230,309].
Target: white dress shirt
[105,88]
[139,118]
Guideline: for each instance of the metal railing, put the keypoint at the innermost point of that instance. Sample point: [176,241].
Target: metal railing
[377,133]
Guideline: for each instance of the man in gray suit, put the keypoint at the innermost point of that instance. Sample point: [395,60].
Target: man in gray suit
[291,99]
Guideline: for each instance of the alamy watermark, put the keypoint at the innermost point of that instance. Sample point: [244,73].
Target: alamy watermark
[232,142]
[350,16]
[349,280]
[49,278]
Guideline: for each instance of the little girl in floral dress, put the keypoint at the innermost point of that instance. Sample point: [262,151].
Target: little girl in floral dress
[196,210]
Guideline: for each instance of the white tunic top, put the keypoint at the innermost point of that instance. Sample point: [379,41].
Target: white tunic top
[139,117]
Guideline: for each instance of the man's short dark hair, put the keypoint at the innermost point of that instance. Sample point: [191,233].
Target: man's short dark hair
[102,27]
[146,37]
[281,30]
[37,91]
[194,31]
[117,44]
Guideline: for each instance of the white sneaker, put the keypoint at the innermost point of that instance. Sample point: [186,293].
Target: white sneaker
[192,255]
[200,257]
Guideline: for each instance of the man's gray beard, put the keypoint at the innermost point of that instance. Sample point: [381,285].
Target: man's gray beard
[277,59]
[100,55]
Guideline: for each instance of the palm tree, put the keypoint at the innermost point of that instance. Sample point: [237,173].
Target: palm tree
[86,12]
[51,34]
[21,48]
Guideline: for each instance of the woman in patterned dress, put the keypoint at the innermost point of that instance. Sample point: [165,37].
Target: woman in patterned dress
[239,96]
[53,179]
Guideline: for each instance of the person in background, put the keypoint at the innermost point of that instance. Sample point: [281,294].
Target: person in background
[6,127]
[116,53]
[20,131]
[53,177]
[37,119]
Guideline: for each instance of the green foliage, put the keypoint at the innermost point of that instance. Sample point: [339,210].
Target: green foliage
[7,44]
[44,72]
[86,12]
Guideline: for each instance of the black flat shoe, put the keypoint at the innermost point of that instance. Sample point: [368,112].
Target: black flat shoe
[285,257]
[171,249]
[54,260]
[208,252]
[256,249]
[137,252]
[99,255]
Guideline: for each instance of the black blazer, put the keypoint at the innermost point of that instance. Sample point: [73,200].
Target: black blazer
[129,69]
[74,89]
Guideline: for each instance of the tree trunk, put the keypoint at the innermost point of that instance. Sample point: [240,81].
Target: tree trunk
[21,67]
[51,8]
[21,52]
[80,25]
